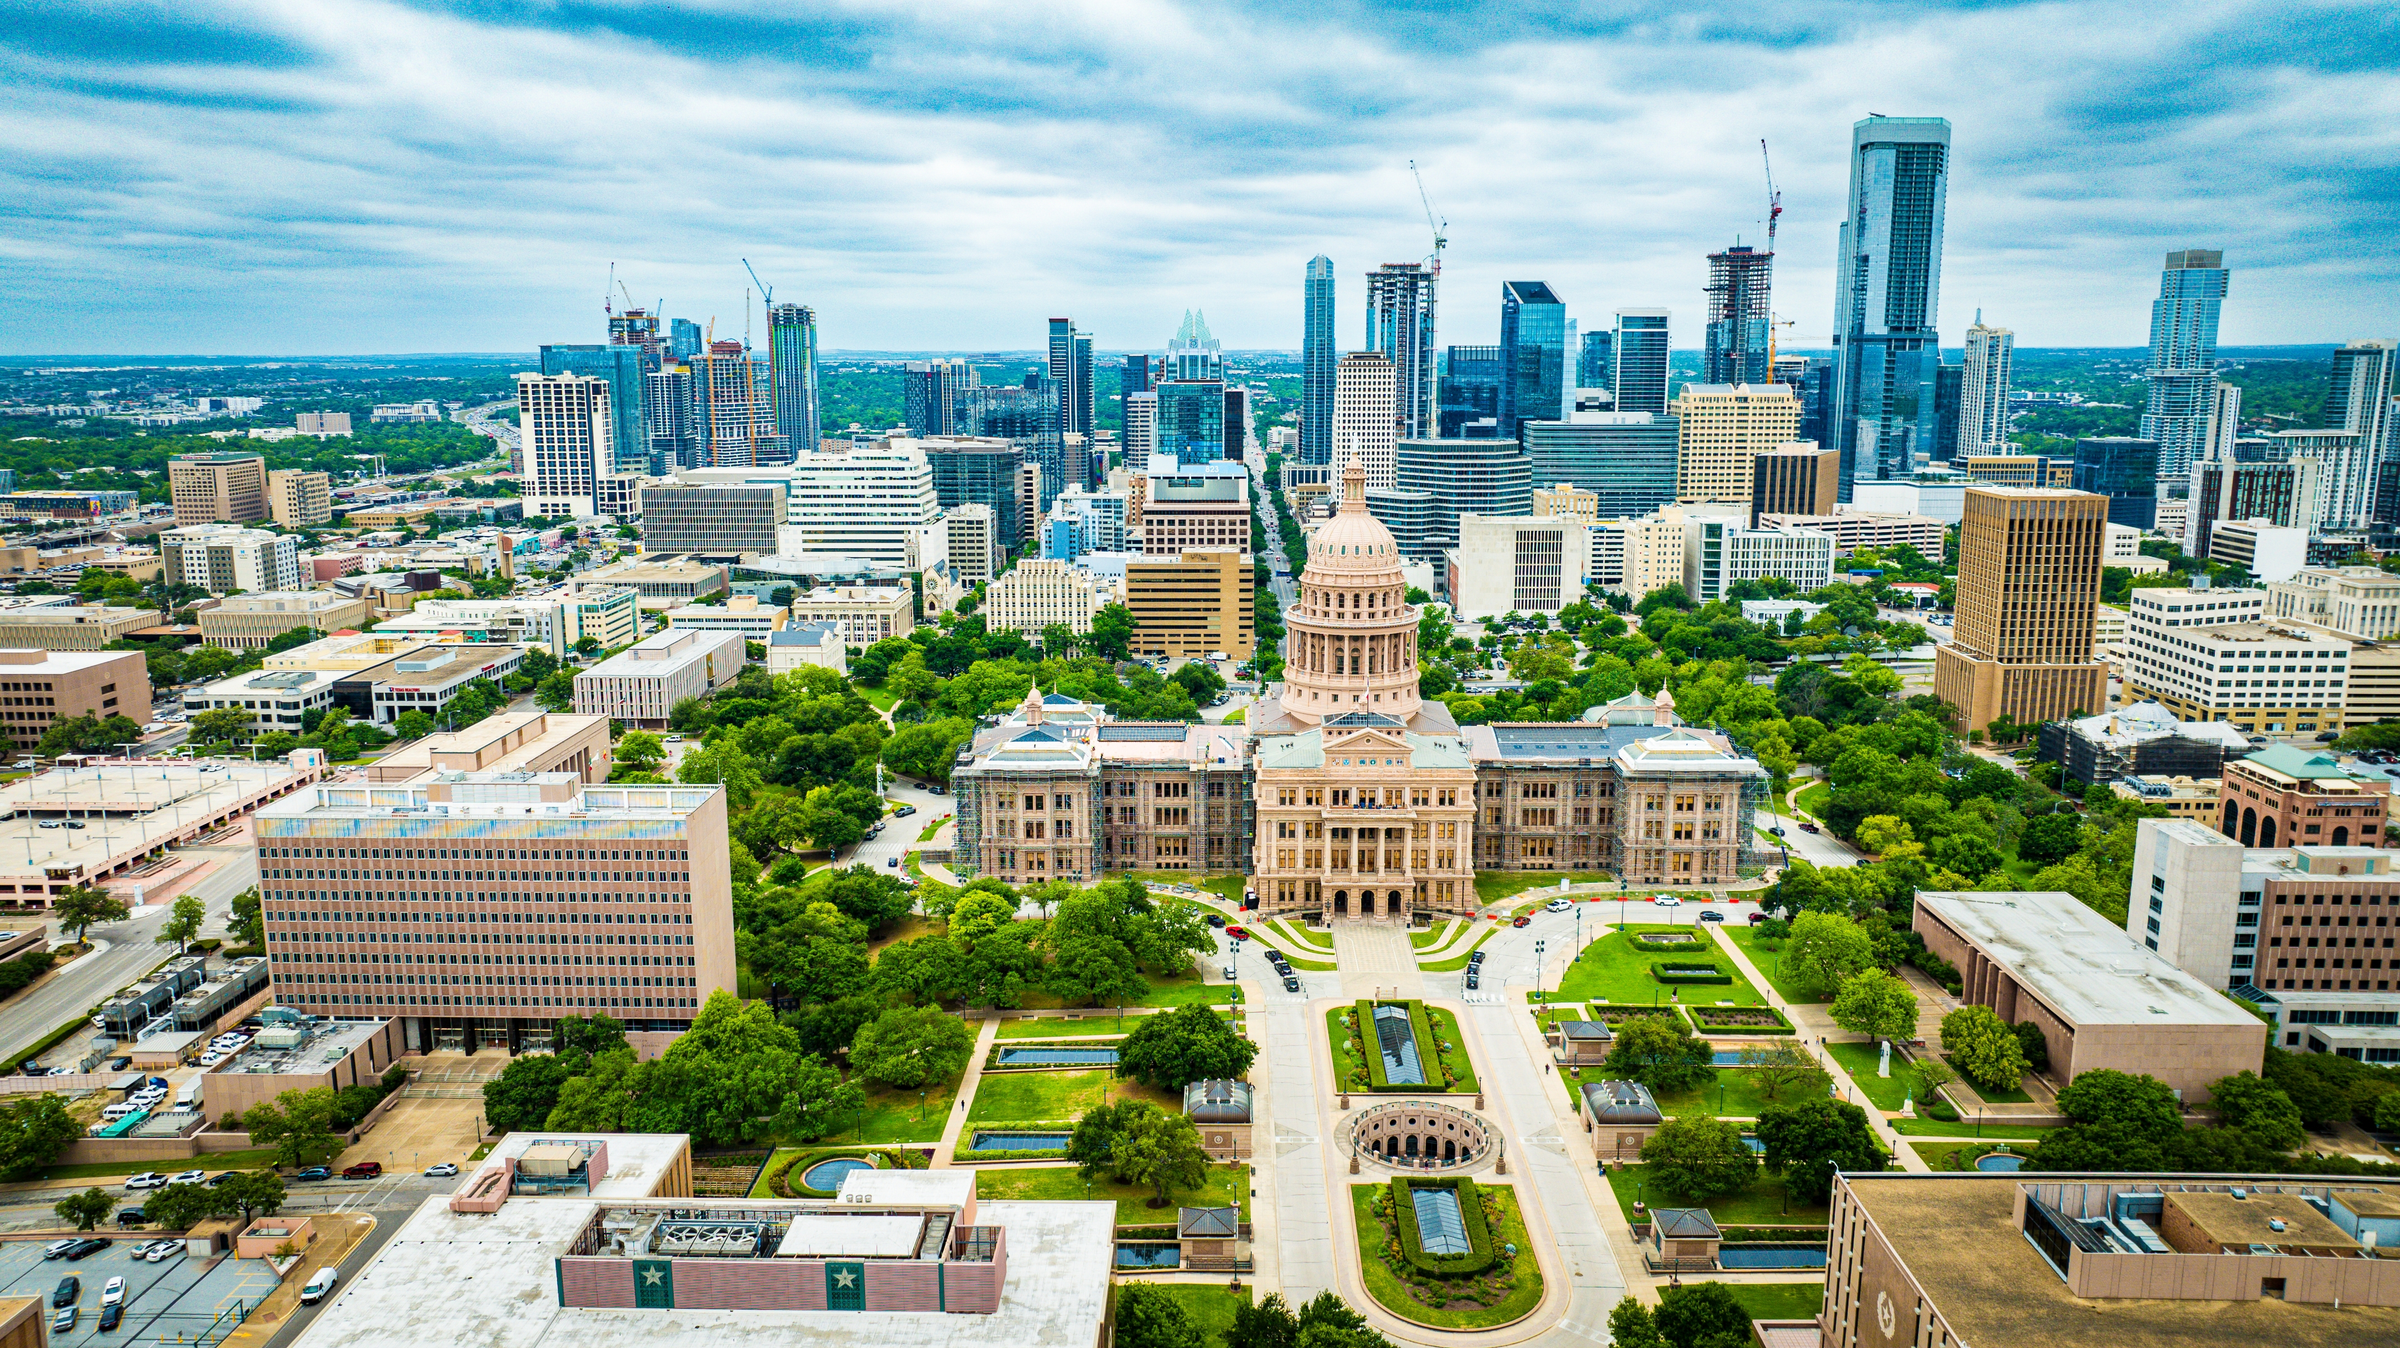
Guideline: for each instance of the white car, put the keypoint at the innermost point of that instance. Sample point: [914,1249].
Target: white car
[1557,905]
[211,1058]
[443,1170]
[113,1293]
[148,1179]
[159,1251]
[1666,901]
[190,1177]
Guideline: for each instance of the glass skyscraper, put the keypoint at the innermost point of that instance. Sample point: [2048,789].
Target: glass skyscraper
[1641,361]
[1465,477]
[1190,421]
[1740,290]
[1595,361]
[685,343]
[1400,324]
[1887,288]
[621,366]
[1628,458]
[1533,345]
[792,360]
[2183,357]
[1470,403]
[1316,362]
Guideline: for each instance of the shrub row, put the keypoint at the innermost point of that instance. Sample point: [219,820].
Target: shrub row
[1666,972]
[1737,1020]
[1653,941]
[1481,1251]
[967,1152]
[1370,1046]
[16,973]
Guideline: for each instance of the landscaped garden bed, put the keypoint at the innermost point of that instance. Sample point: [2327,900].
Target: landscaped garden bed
[1684,971]
[1423,1044]
[1613,969]
[787,1172]
[1669,942]
[1470,1266]
[1739,1020]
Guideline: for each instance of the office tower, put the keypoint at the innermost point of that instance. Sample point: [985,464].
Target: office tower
[1595,360]
[733,400]
[222,558]
[1811,380]
[637,328]
[298,499]
[1798,478]
[2360,401]
[1020,412]
[720,519]
[553,857]
[1198,510]
[877,503]
[929,396]
[2345,474]
[1189,422]
[1238,422]
[218,488]
[667,406]
[1719,553]
[1533,342]
[1470,393]
[567,425]
[977,470]
[1641,360]
[1464,477]
[1720,429]
[1949,388]
[792,361]
[685,341]
[1141,419]
[622,367]
[1627,459]
[1983,389]
[2124,469]
[1364,387]
[2224,421]
[1317,356]
[1071,371]
[1400,308]
[1138,376]
[2282,494]
[1886,293]
[1740,315]
[1194,605]
[2028,590]
[2183,355]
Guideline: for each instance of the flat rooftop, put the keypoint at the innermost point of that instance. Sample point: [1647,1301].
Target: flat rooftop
[636,1161]
[485,795]
[126,808]
[1958,1236]
[2086,968]
[329,1042]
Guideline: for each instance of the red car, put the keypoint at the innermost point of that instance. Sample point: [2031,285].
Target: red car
[363,1170]
[1806,827]
[1522,922]
[1237,933]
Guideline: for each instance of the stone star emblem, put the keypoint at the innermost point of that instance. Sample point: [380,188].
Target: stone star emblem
[844,1278]
[652,1277]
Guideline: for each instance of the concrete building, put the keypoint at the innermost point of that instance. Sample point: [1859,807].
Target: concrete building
[1193,605]
[2231,915]
[2200,654]
[1567,501]
[876,502]
[1795,479]
[971,539]
[1719,554]
[816,644]
[713,519]
[1654,545]
[2028,581]
[1458,478]
[641,684]
[1187,511]
[2018,470]
[1774,612]
[2099,998]
[535,741]
[2287,796]
[1516,564]
[555,621]
[863,614]
[218,488]
[2346,474]
[635,876]
[1984,388]
[1942,499]
[27,623]
[221,558]
[135,811]
[1721,431]
[1852,529]
[2193,798]
[2267,551]
[44,686]
[658,584]
[247,622]
[976,470]
[297,500]
[568,432]
[2138,738]
[1366,415]
[742,613]
[1042,591]
[432,678]
[2353,601]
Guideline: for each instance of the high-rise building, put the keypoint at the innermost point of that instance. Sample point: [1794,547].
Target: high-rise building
[1640,345]
[1240,425]
[929,395]
[1193,605]
[1983,389]
[1795,479]
[1887,288]
[1464,477]
[628,448]
[218,488]
[1719,553]
[1071,371]
[1141,423]
[2360,401]
[1595,360]
[1811,380]
[733,398]
[1400,311]
[878,503]
[1628,459]
[1317,356]
[637,328]
[2282,494]
[1949,386]
[667,407]
[1189,421]
[296,499]
[2123,468]
[1533,343]
[1740,314]
[977,470]
[2183,355]
[567,427]
[792,362]
[2028,589]
[2345,476]
[1721,429]
[2224,421]
[1364,385]
[716,519]
[1469,407]
[684,343]
[221,558]
[1138,375]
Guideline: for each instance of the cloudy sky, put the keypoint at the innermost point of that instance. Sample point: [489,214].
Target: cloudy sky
[327,176]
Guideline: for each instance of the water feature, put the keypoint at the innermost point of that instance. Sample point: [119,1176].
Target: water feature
[1441,1227]
[1757,1148]
[1770,1256]
[1019,1141]
[1058,1057]
[827,1175]
[1726,1057]
[1999,1161]
[1396,1039]
[1149,1256]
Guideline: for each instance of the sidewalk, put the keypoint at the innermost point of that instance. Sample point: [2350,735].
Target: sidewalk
[957,1123]
[1813,1025]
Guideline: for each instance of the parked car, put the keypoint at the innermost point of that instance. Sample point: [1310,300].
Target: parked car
[1474,979]
[119,1064]
[904,811]
[1216,919]
[1291,982]
[68,1292]
[893,862]
[1229,974]
[1711,915]
[132,1217]
[65,1320]
[160,1251]
[442,1171]
[313,1174]
[1666,901]
[319,1286]
[113,1291]
[1522,922]
[148,1179]
[57,1249]
[219,1178]
[363,1170]
[111,1317]
[190,1177]
[89,1245]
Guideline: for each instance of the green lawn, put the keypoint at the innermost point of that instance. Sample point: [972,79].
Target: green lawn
[1611,970]
[1059,1184]
[1759,1205]
[2013,1096]
[1860,1059]
[1031,1097]
[1445,1031]
[1767,957]
[881,699]
[1494,887]
[1459,960]
[1053,1027]
[932,827]
[1227,887]
[1778,1300]
[1812,801]
[1424,940]
[1188,990]
[1295,935]
[259,1158]
[1397,1297]
[1210,1306]
[2014,1132]
[1735,1094]
[1958,1155]
[898,1116]
[1337,1034]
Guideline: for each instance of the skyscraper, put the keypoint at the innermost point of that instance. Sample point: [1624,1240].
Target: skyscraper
[621,366]
[792,361]
[1071,370]
[733,405]
[2360,400]
[1887,287]
[2183,356]
[1136,378]
[637,327]
[1949,386]
[1533,343]
[1470,393]
[1640,346]
[566,425]
[1740,289]
[929,396]
[1721,431]
[2028,594]
[1400,303]
[1316,362]
[1983,389]
[667,406]
[685,343]
[1364,387]
[1595,361]
[1189,422]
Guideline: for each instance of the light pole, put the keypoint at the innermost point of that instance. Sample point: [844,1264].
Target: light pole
[1539,949]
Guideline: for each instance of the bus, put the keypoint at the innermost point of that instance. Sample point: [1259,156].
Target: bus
[124,1125]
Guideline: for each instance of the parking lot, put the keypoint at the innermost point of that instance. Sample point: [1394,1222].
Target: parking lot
[179,1297]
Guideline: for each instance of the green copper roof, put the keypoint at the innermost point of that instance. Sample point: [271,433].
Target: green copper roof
[2297,762]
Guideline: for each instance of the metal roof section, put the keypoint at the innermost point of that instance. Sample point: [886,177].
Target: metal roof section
[2083,966]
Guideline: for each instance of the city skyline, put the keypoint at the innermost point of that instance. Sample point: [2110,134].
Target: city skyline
[927,180]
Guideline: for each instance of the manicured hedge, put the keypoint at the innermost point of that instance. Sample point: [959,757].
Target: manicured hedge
[967,1152]
[1666,971]
[1650,941]
[16,973]
[1481,1251]
[1371,1048]
[1705,1018]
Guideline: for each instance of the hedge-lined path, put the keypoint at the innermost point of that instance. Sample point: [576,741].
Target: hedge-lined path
[957,1122]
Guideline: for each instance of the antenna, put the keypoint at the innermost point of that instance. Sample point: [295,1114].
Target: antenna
[763,288]
[1774,198]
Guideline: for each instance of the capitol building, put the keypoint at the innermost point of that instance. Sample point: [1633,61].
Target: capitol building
[1348,796]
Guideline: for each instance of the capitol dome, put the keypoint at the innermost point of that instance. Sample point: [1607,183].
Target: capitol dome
[1353,547]
[1351,634]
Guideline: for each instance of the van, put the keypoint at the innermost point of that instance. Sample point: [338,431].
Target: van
[119,1110]
[318,1286]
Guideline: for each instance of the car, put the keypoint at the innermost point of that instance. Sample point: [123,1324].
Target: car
[57,1249]
[1522,922]
[936,790]
[159,1251]
[1712,915]
[442,1171]
[119,1064]
[219,1178]
[68,1292]
[313,1174]
[363,1170]
[1806,827]
[905,811]
[893,862]
[211,1058]
[1291,982]
[1238,933]
[111,1317]
[1776,830]
[74,823]
[65,1320]
[34,1069]
[132,1217]
[319,1285]
[1666,901]
[1756,918]
[113,1291]
[47,823]
[1216,919]
[1474,979]
[148,1179]
[89,1245]
[1558,905]
[1229,974]
[190,1177]
[2329,737]
[1474,958]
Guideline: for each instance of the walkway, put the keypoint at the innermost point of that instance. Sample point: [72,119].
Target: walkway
[957,1123]
[1376,955]
[1815,1026]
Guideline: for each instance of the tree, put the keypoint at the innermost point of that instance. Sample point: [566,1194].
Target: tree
[86,1210]
[1932,1075]
[253,1193]
[298,1124]
[2050,838]
[413,724]
[1188,1044]
[1876,1004]
[1112,632]
[1806,1142]
[908,1047]
[1631,1325]
[557,692]
[1326,1322]
[1162,1153]
[1985,1048]
[525,1091]
[180,1207]
[2258,1107]
[1662,1053]
[1824,949]
[183,923]
[247,925]
[1149,1316]
[587,1037]
[1701,1315]
[223,724]
[81,907]
[2142,1105]
[2036,1045]
[32,1134]
[640,750]
[1781,1066]
[1093,1144]
[1700,1158]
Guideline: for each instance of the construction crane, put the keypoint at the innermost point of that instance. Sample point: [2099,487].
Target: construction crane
[1772,324]
[608,292]
[1439,226]
[1774,198]
[764,289]
[629,304]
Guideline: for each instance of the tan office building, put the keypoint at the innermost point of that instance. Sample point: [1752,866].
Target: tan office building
[1199,603]
[247,622]
[296,499]
[1721,429]
[39,687]
[1567,501]
[2028,590]
[68,627]
[218,488]
[1795,479]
